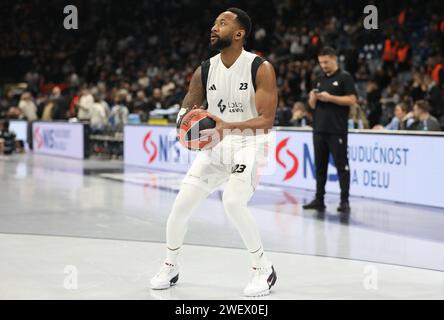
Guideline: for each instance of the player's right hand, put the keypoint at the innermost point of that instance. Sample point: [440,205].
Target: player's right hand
[183,112]
[180,115]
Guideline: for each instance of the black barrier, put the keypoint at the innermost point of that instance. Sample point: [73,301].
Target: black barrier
[106,146]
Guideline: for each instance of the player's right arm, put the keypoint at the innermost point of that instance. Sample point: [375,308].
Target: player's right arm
[195,95]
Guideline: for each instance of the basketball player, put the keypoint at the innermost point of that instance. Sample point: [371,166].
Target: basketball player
[240,89]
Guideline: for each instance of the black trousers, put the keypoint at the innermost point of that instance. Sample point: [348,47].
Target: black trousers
[336,144]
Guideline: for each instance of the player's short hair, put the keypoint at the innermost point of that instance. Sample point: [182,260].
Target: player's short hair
[327,51]
[423,105]
[243,19]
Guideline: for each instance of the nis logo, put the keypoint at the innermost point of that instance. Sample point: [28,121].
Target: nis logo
[287,158]
[38,139]
[47,138]
[150,147]
[162,148]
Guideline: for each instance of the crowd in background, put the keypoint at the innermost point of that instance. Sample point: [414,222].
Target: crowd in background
[129,59]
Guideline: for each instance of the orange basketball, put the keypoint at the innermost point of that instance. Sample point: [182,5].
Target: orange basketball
[189,128]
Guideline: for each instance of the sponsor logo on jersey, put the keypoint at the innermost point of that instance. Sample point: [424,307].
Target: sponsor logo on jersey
[232,106]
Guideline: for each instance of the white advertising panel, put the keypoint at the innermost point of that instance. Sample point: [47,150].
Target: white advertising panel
[20,128]
[58,139]
[404,168]
[155,147]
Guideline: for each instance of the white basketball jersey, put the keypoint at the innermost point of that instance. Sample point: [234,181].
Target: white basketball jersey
[230,91]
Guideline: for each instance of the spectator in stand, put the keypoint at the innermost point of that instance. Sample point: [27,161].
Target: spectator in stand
[84,106]
[434,96]
[14,113]
[98,119]
[418,87]
[373,103]
[423,120]
[402,119]
[60,104]
[105,104]
[390,98]
[436,69]
[140,106]
[362,79]
[283,114]
[40,102]
[156,101]
[10,107]
[167,89]
[47,110]
[300,116]
[119,112]
[7,102]
[389,54]
[73,106]
[28,107]
[356,118]
[403,58]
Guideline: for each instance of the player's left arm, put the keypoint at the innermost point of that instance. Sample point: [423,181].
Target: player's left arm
[266,103]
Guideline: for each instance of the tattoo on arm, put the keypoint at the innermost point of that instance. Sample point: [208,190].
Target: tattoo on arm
[195,94]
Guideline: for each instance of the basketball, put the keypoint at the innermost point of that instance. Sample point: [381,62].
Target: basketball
[189,128]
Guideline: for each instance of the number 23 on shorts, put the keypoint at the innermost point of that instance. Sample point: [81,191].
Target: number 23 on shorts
[238,168]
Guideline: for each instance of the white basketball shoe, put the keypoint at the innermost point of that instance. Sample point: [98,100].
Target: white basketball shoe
[166,277]
[261,281]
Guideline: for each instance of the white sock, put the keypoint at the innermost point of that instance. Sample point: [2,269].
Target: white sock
[259,259]
[172,255]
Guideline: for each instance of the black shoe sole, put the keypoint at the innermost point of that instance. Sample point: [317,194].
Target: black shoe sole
[344,211]
[314,208]
[174,280]
[273,279]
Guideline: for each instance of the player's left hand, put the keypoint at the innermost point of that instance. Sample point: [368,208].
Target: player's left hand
[216,131]
[323,96]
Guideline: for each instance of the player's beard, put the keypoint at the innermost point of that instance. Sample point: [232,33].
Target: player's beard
[220,44]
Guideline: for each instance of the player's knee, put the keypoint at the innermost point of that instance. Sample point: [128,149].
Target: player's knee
[180,209]
[232,200]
